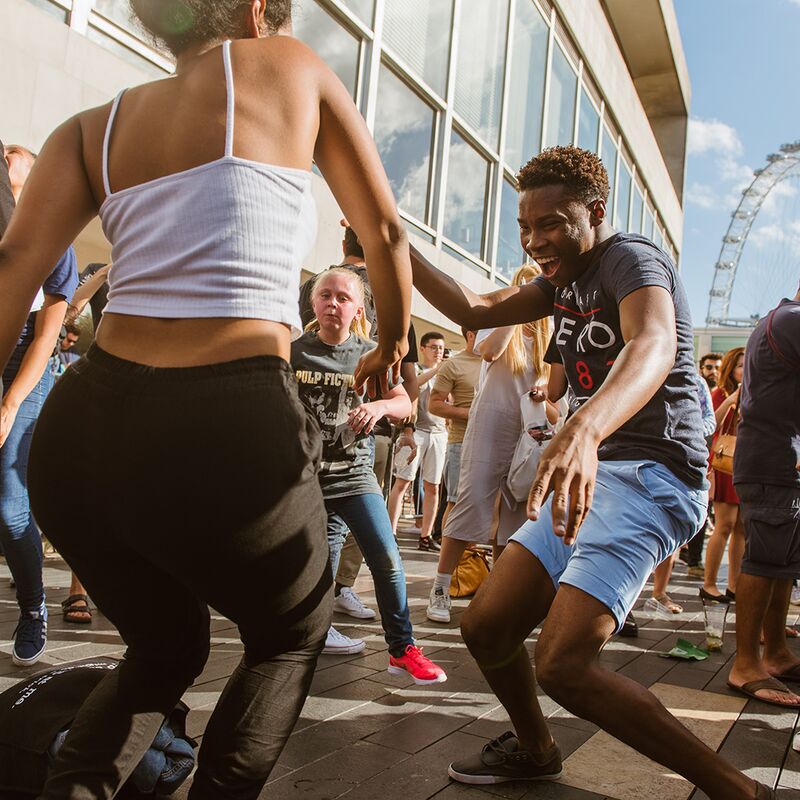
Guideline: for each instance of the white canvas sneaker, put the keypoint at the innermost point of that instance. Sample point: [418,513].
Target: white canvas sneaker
[439,606]
[338,644]
[348,602]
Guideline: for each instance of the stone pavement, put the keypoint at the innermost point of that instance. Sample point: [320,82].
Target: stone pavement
[364,734]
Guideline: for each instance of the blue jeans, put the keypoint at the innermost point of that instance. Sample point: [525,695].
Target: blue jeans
[19,535]
[366,517]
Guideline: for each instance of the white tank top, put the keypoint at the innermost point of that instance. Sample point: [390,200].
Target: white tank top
[223,239]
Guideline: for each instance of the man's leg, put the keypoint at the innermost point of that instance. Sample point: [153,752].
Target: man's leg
[430,502]
[396,501]
[574,633]
[510,603]
[761,604]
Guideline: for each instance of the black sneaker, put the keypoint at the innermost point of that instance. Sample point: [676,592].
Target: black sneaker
[501,760]
[30,638]
[630,629]
[428,544]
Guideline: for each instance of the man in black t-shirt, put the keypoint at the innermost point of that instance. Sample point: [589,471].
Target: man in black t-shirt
[626,475]
[767,478]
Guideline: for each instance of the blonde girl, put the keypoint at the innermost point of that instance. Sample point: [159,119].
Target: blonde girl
[325,359]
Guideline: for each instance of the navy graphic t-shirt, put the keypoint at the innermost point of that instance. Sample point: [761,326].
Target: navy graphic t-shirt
[325,375]
[768,436]
[669,428]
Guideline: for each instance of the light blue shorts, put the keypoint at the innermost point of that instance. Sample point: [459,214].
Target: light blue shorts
[640,515]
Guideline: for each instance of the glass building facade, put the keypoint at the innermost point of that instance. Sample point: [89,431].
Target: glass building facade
[458,95]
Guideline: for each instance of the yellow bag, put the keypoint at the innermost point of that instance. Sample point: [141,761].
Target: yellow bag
[471,572]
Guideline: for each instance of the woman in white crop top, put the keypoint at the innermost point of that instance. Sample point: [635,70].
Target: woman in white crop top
[185,412]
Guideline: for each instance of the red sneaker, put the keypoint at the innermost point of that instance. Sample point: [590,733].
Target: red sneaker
[421,669]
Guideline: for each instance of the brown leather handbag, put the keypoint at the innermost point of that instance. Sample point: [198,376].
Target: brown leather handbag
[471,572]
[725,444]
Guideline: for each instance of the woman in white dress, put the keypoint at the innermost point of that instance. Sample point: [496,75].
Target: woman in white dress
[513,364]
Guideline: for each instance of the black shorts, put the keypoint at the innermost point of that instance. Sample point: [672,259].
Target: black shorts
[771,516]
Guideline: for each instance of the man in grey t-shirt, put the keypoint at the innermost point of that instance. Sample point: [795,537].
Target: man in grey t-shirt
[430,435]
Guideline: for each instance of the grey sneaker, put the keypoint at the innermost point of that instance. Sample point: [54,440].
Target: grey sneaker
[501,760]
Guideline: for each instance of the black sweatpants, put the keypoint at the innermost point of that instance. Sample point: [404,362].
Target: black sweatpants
[201,488]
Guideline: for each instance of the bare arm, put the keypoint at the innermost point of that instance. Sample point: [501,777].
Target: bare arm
[46,330]
[428,375]
[395,404]
[721,411]
[495,344]
[509,306]
[348,158]
[438,406]
[86,291]
[568,467]
[408,372]
[6,196]
[55,206]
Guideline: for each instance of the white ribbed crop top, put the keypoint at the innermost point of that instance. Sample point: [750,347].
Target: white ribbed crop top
[223,239]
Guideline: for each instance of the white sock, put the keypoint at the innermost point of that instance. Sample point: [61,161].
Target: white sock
[442,581]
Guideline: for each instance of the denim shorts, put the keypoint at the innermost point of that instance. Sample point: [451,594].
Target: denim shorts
[771,516]
[452,470]
[640,515]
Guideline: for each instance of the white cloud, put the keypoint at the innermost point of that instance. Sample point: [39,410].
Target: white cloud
[701,194]
[795,2]
[713,136]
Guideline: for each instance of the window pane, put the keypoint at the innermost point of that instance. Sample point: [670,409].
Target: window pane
[659,238]
[59,13]
[465,200]
[419,31]
[526,93]
[404,135]
[481,61]
[638,207]
[561,106]
[119,12]
[649,225]
[509,250]
[609,156]
[364,8]
[588,125]
[623,197]
[338,48]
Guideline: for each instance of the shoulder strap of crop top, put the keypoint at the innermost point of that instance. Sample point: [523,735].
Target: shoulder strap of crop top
[107,141]
[226,57]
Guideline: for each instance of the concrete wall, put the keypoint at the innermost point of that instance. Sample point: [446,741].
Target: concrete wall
[48,73]
[591,30]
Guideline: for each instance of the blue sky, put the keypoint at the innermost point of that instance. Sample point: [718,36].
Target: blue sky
[744,63]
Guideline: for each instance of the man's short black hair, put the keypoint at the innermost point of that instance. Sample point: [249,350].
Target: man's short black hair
[352,247]
[710,357]
[429,337]
[580,171]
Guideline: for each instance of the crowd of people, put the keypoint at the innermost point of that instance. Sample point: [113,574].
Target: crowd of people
[251,440]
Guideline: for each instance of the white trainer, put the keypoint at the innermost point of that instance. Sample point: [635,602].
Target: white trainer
[348,602]
[439,606]
[338,644]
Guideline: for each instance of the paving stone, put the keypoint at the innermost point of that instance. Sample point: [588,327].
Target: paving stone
[335,774]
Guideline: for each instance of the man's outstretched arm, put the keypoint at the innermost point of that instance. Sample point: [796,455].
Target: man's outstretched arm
[568,467]
[6,196]
[512,305]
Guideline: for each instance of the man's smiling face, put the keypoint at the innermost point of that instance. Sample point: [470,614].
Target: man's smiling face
[556,230]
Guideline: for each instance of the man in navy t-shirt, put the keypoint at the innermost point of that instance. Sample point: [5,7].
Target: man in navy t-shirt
[625,476]
[767,478]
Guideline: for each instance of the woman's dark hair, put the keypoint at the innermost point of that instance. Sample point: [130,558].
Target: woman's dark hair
[177,24]
[352,246]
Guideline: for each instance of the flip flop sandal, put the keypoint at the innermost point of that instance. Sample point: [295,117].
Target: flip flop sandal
[750,688]
[791,674]
[667,601]
[74,613]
